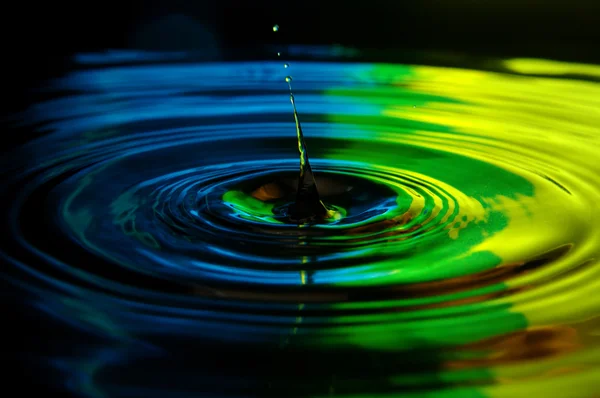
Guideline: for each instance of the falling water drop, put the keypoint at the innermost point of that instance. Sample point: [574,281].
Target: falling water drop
[275,28]
[278,54]
[286,65]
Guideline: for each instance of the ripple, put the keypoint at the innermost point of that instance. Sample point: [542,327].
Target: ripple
[151,215]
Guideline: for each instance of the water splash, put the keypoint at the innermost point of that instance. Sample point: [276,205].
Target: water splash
[308,204]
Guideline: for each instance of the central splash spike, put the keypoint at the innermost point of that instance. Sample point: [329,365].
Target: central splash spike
[308,205]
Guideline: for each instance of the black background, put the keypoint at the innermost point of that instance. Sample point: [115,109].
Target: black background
[533,27]
[37,35]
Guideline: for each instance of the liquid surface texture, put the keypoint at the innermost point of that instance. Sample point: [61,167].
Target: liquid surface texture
[147,221]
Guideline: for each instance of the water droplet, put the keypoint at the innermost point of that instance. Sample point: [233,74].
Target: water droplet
[275,28]
[414,106]
[288,79]
[279,54]
[286,65]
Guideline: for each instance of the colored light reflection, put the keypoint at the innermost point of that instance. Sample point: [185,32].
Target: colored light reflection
[464,263]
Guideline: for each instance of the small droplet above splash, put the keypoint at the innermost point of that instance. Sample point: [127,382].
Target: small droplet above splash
[278,54]
[286,65]
[275,28]
[288,79]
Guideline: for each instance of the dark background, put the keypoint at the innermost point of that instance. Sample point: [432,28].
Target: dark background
[535,27]
[37,34]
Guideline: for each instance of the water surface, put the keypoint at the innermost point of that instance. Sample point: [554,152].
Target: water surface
[147,219]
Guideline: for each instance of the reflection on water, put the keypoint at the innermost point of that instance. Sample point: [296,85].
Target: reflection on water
[463,263]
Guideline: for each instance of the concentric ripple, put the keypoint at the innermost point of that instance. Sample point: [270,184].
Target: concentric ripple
[462,261]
